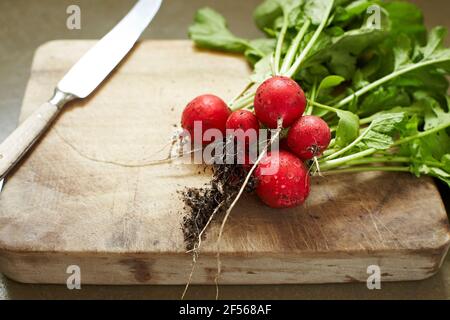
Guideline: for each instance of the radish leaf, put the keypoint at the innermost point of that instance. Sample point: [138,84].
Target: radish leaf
[330,82]
[210,31]
[347,129]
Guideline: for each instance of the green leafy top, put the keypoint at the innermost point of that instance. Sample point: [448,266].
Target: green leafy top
[383,90]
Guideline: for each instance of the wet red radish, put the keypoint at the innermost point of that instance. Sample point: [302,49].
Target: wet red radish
[287,186]
[279,98]
[242,119]
[245,121]
[308,137]
[210,110]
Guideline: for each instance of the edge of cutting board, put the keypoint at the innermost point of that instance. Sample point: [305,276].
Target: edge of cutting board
[172,269]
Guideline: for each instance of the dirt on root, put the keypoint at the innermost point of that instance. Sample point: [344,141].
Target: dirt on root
[217,195]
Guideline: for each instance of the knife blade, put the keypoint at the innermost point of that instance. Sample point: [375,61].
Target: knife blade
[80,81]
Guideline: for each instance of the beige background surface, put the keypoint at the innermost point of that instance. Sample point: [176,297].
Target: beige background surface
[25,24]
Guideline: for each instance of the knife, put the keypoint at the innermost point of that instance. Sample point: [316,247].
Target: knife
[81,80]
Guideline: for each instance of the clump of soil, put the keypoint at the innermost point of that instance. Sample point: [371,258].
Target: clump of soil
[213,198]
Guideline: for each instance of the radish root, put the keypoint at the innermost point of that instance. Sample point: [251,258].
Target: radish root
[177,142]
[236,199]
[196,250]
[206,203]
[317,167]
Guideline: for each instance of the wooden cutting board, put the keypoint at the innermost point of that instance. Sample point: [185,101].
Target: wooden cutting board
[70,203]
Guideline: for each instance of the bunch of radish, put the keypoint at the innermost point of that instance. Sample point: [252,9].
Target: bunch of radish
[279,103]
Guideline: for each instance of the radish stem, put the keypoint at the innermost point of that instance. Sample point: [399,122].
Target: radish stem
[351,145]
[370,168]
[243,101]
[311,99]
[421,134]
[280,43]
[390,159]
[329,164]
[243,92]
[290,55]
[325,107]
[387,78]
[294,68]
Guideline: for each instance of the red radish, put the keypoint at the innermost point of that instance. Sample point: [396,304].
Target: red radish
[212,111]
[244,120]
[279,98]
[288,186]
[308,137]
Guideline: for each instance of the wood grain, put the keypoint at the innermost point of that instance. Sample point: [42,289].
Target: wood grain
[76,200]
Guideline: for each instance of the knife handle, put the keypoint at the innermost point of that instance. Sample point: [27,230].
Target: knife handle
[23,138]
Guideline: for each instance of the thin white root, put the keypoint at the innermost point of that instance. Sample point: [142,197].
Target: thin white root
[316,163]
[196,250]
[194,262]
[197,246]
[236,199]
[169,158]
